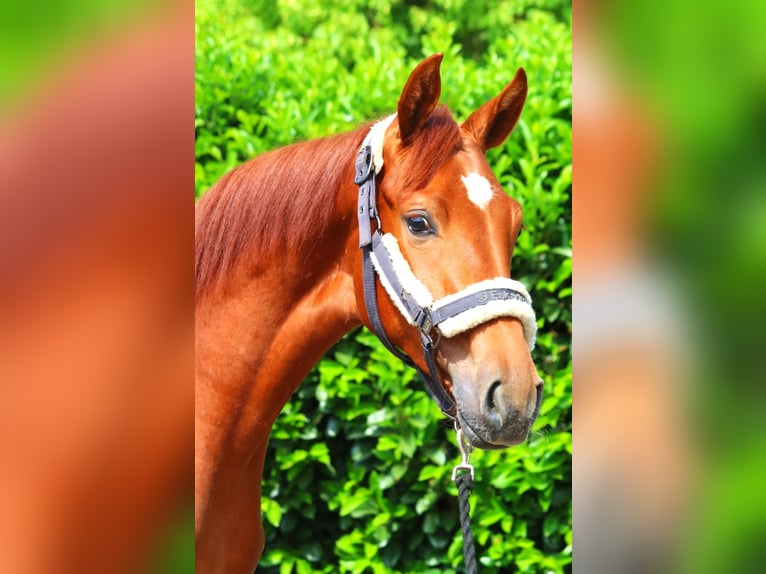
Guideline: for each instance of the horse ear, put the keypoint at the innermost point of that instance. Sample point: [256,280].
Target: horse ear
[419,97]
[495,120]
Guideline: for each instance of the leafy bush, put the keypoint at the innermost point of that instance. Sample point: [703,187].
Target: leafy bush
[358,471]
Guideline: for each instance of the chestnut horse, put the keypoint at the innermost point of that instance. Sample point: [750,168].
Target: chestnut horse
[280,278]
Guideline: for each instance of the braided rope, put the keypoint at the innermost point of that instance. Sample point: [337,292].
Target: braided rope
[464,483]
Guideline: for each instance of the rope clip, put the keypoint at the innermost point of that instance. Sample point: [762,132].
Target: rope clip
[465,454]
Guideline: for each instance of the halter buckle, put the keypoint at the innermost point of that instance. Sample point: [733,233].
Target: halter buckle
[425,322]
[363,164]
[430,334]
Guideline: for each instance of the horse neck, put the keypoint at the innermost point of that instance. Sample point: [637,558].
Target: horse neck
[270,323]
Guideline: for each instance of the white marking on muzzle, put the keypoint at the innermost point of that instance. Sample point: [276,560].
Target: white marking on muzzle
[479,189]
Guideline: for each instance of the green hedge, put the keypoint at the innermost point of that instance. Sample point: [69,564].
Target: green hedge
[358,470]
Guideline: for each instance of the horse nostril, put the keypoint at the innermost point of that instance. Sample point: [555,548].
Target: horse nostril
[493,415]
[491,395]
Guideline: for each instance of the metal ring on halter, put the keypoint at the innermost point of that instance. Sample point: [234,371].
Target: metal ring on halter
[433,344]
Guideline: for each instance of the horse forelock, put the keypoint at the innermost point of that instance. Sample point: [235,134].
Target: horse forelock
[439,139]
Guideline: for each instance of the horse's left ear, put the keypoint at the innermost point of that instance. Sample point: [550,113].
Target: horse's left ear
[495,120]
[419,97]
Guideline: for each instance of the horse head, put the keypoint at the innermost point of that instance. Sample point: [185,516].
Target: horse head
[450,226]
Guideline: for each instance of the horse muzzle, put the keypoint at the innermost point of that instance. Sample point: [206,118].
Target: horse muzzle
[496,415]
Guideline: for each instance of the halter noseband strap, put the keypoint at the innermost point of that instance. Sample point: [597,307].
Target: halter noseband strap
[453,314]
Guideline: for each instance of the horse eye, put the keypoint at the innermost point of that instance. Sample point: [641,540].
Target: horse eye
[419,225]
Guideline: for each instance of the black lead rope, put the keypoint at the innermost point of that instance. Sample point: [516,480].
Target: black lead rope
[462,475]
[464,488]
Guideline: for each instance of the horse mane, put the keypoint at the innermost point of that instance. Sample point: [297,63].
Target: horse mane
[285,197]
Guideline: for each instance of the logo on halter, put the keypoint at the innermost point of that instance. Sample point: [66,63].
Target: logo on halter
[495,295]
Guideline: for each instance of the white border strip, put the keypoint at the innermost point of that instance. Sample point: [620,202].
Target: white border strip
[403,271]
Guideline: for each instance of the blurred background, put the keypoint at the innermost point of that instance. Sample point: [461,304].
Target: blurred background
[670,216]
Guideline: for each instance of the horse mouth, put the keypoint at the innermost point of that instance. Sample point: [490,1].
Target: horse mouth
[483,440]
[480,433]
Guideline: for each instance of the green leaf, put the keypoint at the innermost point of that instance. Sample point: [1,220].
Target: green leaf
[272,511]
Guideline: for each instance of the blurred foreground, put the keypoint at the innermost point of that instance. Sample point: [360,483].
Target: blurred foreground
[669,261]
[96,287]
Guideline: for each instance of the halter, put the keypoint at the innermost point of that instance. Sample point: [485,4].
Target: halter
[446,317]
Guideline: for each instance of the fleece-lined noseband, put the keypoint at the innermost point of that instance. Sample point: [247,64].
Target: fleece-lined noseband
[445,317]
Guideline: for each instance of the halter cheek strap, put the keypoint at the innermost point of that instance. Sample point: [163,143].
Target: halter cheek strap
[448,316]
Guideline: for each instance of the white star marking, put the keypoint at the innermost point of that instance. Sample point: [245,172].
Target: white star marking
[479,189]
